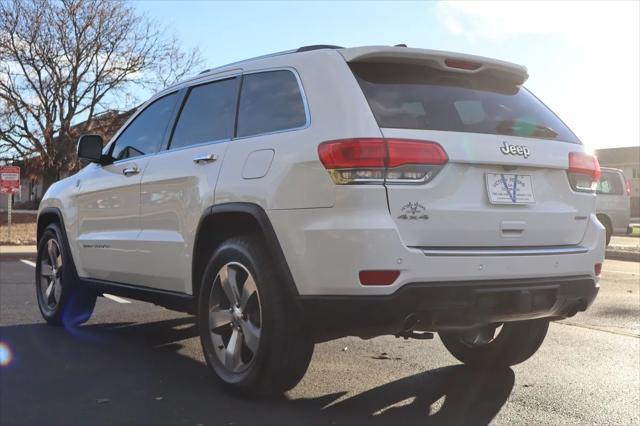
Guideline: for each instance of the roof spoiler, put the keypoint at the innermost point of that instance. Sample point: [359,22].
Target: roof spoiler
[446,61]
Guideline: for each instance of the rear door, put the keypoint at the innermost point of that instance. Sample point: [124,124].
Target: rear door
[179,184]
[505,182]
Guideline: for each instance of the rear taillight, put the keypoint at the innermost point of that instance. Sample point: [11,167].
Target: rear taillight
[627,187]
[377,160]
[583,172]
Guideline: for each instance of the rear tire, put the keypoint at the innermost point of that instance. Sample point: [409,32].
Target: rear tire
[604,220]
[515,343]
[274,351]
[61,299]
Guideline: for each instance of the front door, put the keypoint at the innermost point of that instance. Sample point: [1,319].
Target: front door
[108,197]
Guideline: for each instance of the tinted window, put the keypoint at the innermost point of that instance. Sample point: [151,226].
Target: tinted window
[270,101]
[417,97]
[145,134]
[207,114]
[610,183]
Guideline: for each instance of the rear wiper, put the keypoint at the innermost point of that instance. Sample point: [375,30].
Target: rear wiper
[522,128]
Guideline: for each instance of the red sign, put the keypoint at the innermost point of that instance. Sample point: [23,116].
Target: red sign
[9,179]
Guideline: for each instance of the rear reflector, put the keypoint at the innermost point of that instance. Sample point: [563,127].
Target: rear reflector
[597,269]
[378,277]
[463,65]
[584,171]
[376,160]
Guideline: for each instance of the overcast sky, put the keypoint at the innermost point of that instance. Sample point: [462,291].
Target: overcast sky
[583,57]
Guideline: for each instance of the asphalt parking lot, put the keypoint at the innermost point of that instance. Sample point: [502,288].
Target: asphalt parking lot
[135,363]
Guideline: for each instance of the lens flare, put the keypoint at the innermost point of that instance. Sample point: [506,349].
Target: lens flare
[5,355]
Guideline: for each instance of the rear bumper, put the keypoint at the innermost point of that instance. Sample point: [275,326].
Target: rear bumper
[326,248]
[449,305]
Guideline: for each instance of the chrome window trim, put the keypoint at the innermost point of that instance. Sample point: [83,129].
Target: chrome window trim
[197,145]
[305,103]
[502,251]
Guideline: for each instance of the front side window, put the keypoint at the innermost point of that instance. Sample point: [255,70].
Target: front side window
[146,132]
[269,102]
[207,114]
[610,183]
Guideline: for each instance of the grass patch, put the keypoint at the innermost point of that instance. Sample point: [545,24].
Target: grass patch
[23,229]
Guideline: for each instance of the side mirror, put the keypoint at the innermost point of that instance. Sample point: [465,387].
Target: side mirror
[90,148]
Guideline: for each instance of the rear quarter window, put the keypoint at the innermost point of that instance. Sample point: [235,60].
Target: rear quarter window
[411,96]
[270,101]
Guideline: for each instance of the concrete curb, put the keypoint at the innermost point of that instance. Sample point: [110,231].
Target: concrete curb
[18,250]
[625,255]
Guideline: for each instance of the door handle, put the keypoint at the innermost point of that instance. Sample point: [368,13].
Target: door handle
[130,171]
[205,158]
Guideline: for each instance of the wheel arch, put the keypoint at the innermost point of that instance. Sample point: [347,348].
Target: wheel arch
[222,221]
[47,216]
[605,220]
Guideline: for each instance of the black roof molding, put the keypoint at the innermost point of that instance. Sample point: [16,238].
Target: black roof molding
[318,47]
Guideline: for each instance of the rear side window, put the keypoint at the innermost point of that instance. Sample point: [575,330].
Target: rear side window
[146,132]
[269,102]
[610,183]
[410,96]
[207,114]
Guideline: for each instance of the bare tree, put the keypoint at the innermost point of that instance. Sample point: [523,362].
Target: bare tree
[64,61]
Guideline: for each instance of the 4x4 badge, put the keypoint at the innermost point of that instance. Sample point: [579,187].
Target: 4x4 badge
[413,211]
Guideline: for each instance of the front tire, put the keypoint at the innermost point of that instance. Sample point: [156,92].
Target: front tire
[250,337]
[513,344]
[62,301]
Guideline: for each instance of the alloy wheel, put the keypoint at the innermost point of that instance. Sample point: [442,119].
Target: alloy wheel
[481,336]
[51,274]
[235,317]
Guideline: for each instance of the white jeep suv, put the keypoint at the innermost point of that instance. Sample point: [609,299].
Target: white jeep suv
[324,192]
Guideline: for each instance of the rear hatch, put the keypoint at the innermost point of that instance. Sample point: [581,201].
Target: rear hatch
[505,183]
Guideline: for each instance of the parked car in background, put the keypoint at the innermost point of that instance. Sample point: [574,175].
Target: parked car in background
[613,205]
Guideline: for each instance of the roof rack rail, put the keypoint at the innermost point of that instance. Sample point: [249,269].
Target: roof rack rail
[285,52]
[318,47]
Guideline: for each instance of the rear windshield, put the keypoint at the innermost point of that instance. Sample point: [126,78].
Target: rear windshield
[410,96]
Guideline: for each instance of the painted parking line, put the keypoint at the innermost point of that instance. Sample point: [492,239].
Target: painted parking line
[116,298]
[107,296]
[28,262]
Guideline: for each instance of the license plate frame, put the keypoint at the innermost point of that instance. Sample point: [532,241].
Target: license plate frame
[501,188]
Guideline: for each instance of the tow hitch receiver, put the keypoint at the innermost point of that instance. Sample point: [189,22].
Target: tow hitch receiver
[425,335]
